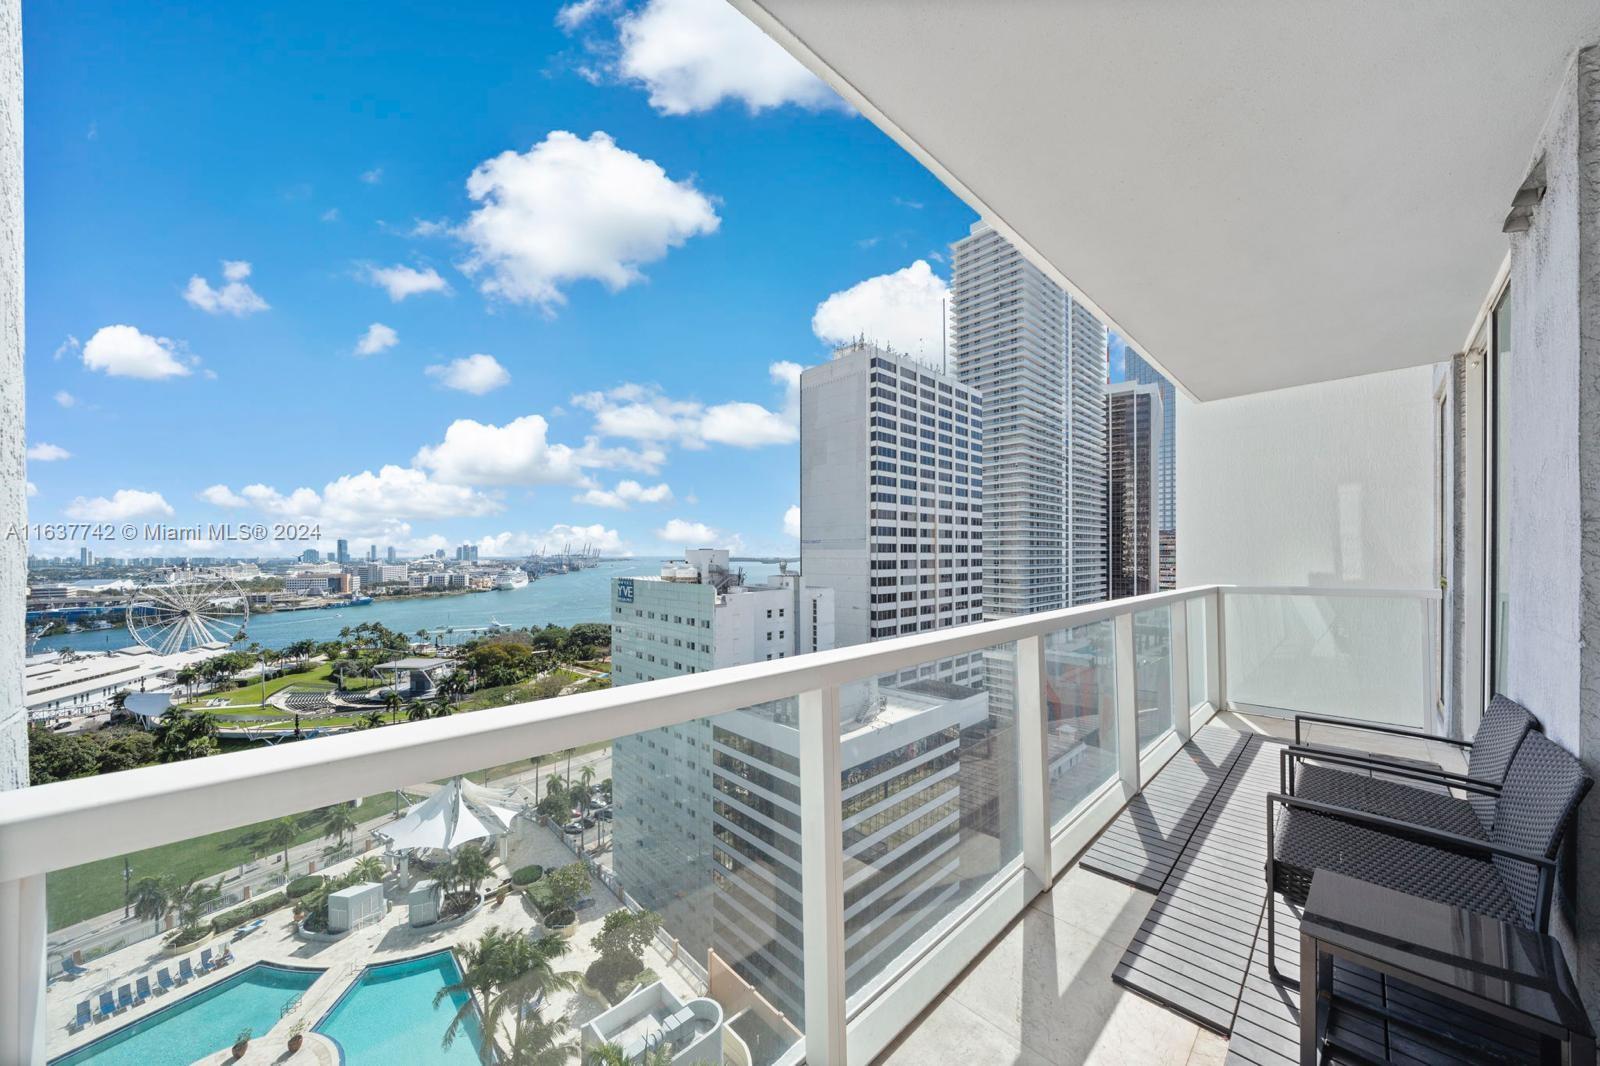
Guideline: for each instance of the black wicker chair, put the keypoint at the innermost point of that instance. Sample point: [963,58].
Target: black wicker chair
[1510,875]
[1344,781]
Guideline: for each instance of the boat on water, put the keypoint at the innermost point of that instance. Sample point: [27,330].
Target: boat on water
[511,579]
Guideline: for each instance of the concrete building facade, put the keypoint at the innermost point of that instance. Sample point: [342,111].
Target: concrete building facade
[1134,419]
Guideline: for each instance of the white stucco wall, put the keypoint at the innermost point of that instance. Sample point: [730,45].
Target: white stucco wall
[13,481]
[1552,403]
[1327,484]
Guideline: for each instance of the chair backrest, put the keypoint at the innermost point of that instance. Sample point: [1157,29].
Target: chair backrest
[106,1002]
[83,1009]
[1541,793]
[185,969]
[205,956]
[1500,731]
[163,976]
[125,993]
[143,985]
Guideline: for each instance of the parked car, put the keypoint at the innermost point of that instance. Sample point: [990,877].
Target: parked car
[604,814]
[577,825]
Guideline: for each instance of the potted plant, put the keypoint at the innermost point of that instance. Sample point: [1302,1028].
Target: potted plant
[241,1043]
[297,1036]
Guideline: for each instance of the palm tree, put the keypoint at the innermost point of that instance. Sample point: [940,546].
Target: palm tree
[339,822]
[150,900]
[536,760]
[417,712]
[391,703]
[507,971]
[470,868]
[440,708]
[369,868]
[370,720]
[608,1054]
[533,1041]
[280,837]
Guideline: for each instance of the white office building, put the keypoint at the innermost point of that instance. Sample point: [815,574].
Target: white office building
[696,615]
[891,493]
[1039,359]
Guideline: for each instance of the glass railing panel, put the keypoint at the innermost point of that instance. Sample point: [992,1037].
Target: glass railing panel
[1199,652]
[1357,656]
[930,818]
[662,866]
[1080,702]
[1152,649]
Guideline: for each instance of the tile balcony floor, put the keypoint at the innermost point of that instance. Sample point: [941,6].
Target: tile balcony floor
[1043,992]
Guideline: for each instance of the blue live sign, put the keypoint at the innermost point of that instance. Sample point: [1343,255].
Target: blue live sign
[624,590]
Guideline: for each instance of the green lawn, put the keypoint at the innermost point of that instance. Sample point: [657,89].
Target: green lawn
[95,888]
[550,764]
[506,695]
[250,695]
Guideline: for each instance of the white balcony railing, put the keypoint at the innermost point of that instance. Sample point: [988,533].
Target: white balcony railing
[1097,698]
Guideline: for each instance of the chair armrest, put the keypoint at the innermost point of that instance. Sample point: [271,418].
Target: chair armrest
[1424,834]
[1378,764]
[1372,727]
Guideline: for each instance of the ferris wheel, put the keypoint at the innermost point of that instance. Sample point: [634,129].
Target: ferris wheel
[196,610]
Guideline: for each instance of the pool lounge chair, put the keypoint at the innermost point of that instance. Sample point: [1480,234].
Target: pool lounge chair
[245,930]
[85,1016]
[224,956]
[141,989]
[108,1006]
[164,980]
[124,998]
[206,965]
[72,969]
[185,971]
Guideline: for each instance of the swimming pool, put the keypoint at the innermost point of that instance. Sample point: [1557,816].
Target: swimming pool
[196,1025]
[387,1015]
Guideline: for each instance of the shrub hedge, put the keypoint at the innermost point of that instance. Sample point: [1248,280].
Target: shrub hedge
[254,909]
[527,875]
[300,886]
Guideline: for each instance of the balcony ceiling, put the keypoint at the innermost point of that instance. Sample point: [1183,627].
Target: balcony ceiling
[1258,193]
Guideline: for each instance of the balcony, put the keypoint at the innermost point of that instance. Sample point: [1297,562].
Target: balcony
[917,807]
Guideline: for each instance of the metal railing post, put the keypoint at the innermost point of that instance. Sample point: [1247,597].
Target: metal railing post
[1178,642]
[1126,667]
[1217,650]
[23,923]
[1033,778]
[822,875]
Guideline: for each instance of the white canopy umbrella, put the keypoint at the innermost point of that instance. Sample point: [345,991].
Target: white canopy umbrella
[459,813]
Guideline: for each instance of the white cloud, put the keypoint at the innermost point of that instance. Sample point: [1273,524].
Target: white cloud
[903,310]
[791,521]
[47,453]
[377,338]
[66,399]
[364,503]
[330,215]
[691,55]
[373,176]
[477,374]
[235,297]
[643,413]
[555,539]
[70,346]
[222,496]
[124,504]
[625,494]
[575,14]
[691,534]
[32,489]
[122,351]
[570,209]
[402,281]
[517,453]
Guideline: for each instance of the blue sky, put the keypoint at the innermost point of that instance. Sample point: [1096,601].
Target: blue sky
[223,203]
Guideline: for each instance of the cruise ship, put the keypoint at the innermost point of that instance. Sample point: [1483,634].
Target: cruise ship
[510,579]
